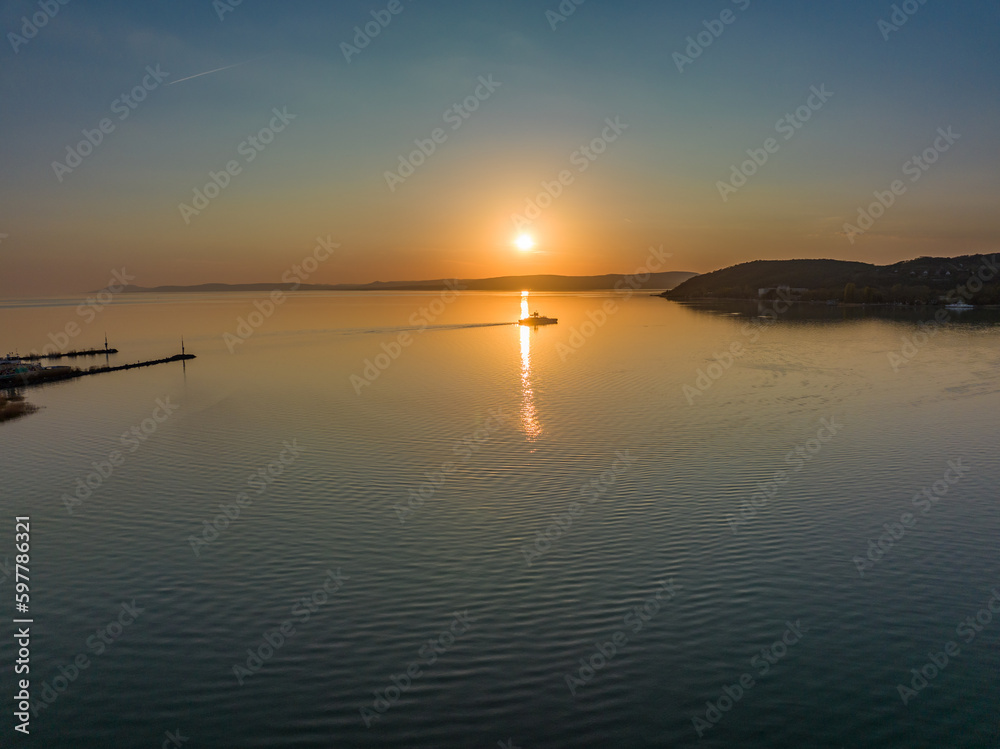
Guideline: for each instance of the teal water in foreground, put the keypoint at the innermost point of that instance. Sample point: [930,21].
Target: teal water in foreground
[651,525]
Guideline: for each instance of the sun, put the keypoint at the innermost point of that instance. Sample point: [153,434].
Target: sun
[525,242]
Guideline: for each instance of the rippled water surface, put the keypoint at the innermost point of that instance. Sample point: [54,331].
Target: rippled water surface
[449,550]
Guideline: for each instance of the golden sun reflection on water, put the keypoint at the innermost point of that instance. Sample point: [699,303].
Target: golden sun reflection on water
[529,415]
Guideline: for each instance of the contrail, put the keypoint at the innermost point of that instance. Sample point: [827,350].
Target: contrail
[208,72]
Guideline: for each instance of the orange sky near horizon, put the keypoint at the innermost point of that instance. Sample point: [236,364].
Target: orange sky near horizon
[419,156]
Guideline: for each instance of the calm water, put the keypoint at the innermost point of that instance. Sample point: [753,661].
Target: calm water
[658,525]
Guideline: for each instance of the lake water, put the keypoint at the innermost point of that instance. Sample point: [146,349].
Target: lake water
[498,507]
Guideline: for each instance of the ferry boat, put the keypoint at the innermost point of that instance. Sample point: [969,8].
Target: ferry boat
[537,319]
[959,306]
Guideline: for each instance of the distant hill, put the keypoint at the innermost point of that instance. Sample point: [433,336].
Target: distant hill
[922,281]
[656,281]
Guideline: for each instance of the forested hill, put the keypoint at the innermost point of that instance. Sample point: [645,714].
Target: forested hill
[922,281]
[655,281]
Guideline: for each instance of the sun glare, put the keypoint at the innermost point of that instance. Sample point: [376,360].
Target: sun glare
[525,242]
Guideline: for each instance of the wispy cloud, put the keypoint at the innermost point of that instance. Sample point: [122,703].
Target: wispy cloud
[209,72]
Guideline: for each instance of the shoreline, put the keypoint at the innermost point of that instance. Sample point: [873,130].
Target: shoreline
[852,305]
[58,374]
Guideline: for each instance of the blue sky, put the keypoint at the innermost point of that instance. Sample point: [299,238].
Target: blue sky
[326,172]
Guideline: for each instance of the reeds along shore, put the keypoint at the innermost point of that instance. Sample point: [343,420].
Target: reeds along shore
[13,406]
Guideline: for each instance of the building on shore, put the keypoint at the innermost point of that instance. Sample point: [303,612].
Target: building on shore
[781,291]
[15,372]
[12,365]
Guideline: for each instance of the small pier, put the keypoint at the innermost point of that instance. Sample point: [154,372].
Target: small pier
[71,354]
[56,374]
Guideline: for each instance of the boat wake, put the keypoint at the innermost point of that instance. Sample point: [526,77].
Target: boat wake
[421,328]
[382,331]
